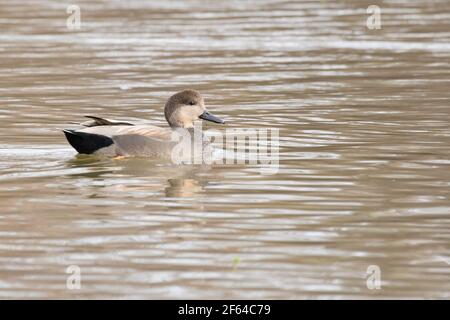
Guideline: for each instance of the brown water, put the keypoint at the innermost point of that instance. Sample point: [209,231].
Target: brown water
[363,178]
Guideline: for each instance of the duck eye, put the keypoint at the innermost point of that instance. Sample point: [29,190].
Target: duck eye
[191,103]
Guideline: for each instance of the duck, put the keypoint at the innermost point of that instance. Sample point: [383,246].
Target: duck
[111,138]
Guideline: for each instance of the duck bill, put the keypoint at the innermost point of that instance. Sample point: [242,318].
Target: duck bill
[209,117]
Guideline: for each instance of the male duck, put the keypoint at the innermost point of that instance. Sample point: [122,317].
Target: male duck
[113,138]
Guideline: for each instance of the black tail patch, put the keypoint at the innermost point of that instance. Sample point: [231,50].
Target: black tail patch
[87,143]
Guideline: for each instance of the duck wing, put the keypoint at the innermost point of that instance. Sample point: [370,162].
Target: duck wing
[97,121]
[140,130]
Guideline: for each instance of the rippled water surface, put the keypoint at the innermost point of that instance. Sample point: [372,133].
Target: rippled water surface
[364,172]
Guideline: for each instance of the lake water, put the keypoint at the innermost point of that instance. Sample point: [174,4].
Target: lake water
[364,171]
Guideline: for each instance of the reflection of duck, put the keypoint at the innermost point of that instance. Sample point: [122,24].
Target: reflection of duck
[89,167]
[139,176]
[185,182]
[182,188]
[113,138]
[145,176]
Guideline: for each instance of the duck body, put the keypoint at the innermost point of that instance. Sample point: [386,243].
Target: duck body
[116,138]
[121,140]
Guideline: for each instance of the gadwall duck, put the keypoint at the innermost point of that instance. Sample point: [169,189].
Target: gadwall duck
[115,138]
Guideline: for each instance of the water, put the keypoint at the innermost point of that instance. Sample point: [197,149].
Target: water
[364,150]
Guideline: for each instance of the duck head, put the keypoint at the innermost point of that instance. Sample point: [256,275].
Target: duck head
[185,107]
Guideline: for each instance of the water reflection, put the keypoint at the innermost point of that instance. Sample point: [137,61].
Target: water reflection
[138,175]
[183,188]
